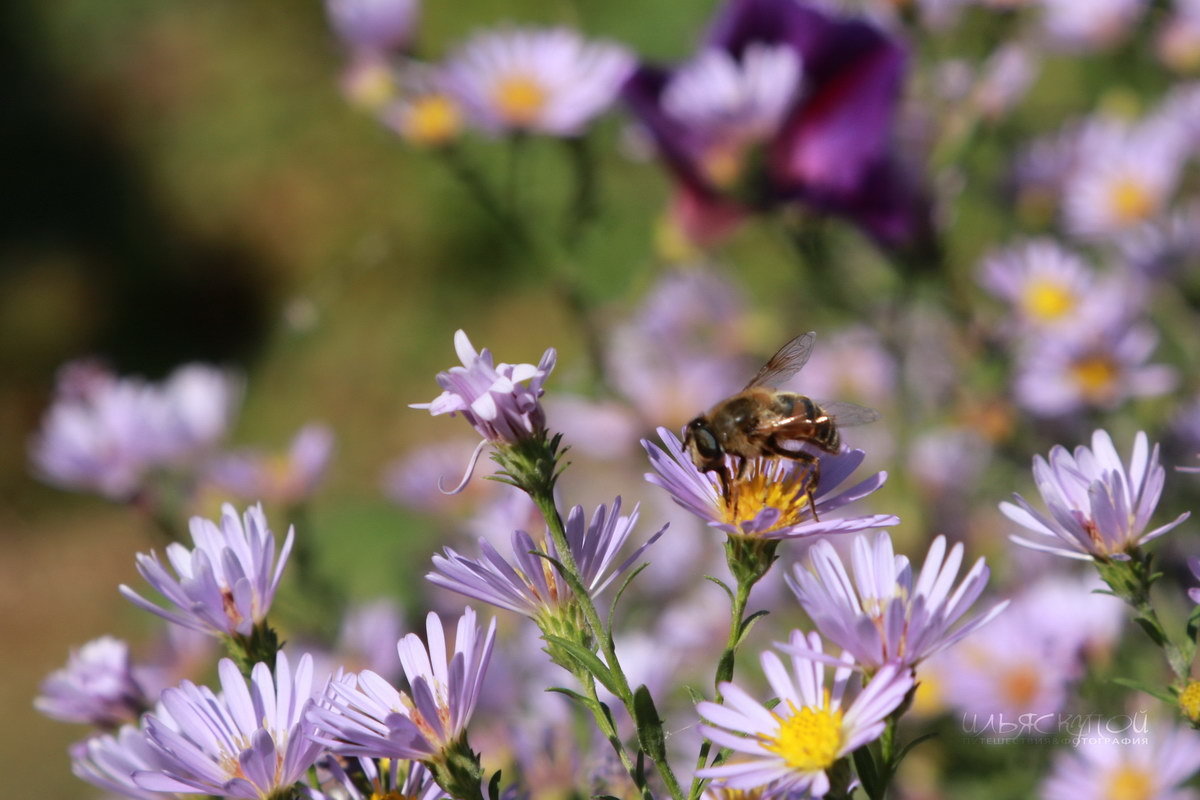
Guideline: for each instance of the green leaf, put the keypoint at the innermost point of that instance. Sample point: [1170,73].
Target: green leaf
[748,623]
[1153,691]
[721,583]
[1193,623]
[494,786]
[612,607]
[694,693]
[576,696]
[586,659]
[649,724]
[904,750]
[864,764]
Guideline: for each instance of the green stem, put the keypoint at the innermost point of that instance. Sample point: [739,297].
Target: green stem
[1131,580]
[543,498]
[604,722]
[749,561]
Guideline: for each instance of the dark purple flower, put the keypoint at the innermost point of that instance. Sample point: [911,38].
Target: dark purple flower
[786,103]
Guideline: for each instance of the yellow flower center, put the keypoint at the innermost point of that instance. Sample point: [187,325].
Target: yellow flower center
[722,165]
[1020,685]
[765,485]
[809,739]
[1189,701]
[1096,375]
[929,698]
[1128,782]
[520,99]
[1131,201]
[432,119]
[1047,300]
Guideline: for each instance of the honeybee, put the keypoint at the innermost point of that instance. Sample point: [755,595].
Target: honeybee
[763,421]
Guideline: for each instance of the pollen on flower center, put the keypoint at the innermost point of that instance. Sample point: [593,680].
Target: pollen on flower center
[769,485]
[809,739]
[1128,782]
[1047,300]
[520,99]
[1095,375]
[1131,202]
[1189,701]
[1020,684]
[432,120]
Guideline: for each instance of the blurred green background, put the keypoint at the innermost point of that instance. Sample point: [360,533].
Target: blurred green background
[184,181]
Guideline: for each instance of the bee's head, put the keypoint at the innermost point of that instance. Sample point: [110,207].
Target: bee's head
[701,443]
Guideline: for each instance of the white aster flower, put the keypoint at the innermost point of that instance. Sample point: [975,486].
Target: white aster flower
[550,81]
[1150,767]
[791,747]
[1124,176]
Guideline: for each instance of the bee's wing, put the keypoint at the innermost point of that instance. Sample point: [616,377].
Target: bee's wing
[789,360]
[848,414]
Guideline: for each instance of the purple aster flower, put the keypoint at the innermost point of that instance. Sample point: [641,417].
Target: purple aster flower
[770,500]
[529,584]
[1099,368]
[285,479]
[681,345]
[97,687]
[106,434]
[1014,670]
[251,741]
[1098,507]
[425,111]
[110,761]
[884,615]
[491,397]
[1155,766]
[226,584]
[373,25]
[550,81]
[813,94]
[791,746]
[410,780]
[368,717]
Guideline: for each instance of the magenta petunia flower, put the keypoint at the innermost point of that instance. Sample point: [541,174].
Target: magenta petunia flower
[791,746]
[886,614]
[771,500]
[1098,506]
[786,102]
[225,585]
[492,396]
[98,687]
[251,741]
[529,584]
[366,716]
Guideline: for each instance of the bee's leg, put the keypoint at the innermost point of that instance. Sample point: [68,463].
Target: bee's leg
[812,462]
[723,473]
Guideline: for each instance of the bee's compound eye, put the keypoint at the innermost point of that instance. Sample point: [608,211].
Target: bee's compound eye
[706,444]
